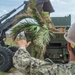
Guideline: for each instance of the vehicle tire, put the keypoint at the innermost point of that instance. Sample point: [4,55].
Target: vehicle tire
[5,58]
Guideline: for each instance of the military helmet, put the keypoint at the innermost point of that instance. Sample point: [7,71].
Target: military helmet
[70,35]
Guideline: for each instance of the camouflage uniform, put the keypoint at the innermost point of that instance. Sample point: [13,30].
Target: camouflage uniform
[31,66]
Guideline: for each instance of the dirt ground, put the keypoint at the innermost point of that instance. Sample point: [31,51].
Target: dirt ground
[13,72]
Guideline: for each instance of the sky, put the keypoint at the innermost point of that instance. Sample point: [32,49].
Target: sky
[62,7]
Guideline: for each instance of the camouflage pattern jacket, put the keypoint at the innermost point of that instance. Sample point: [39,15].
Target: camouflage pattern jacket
[31,66]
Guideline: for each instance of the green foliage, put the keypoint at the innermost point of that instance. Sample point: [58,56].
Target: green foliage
[46,15]
[43,37]
[36,15]
[27,26]
[32,4]
[38,33]
[2,73]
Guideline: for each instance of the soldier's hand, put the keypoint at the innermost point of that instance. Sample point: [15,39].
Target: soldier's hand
[53,29]
[23,43]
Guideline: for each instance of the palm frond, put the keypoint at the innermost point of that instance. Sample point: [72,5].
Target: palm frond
[38,32]
[43,37]
[46,17]
[34,29]
[26,26]
[36,15]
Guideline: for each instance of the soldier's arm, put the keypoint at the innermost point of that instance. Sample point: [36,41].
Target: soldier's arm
[21,60]
[27,64]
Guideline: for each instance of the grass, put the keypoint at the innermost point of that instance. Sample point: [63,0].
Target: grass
[9,41]
[2,73]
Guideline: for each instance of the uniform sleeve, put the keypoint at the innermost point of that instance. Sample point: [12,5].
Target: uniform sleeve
[29,65]
[21,60]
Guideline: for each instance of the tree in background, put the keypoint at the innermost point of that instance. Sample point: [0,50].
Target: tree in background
[37,31]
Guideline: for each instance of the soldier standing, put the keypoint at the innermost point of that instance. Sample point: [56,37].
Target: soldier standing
[32,66]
